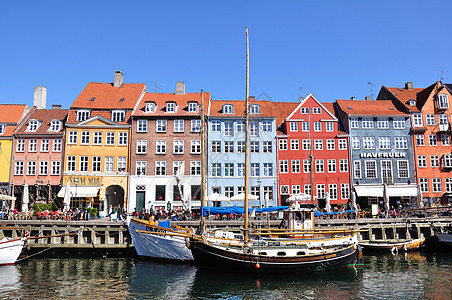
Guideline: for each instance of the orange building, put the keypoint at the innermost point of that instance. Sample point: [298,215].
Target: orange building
[96,163]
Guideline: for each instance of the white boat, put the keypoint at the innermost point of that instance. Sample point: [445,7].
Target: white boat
[444,237]
[10,250]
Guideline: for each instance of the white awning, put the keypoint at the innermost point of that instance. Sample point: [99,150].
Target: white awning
[80,191]
[393,190]
[369,191]
[7,197]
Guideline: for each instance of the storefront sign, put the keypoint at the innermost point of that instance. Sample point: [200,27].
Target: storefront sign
[83,180]
[383,155]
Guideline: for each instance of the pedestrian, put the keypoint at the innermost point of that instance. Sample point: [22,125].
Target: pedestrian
[111,212]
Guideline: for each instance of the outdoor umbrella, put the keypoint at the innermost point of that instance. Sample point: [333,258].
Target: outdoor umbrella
[217,197]
[241,197]
[67,196]
[327,200]
[386,198]
[299,197]
[25,198]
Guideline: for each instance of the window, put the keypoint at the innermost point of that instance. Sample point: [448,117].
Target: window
[448,182]
[304,126]
[306,166]
[192,107]
[307,189]
[267,126]
[386,170]
[304,110]
[267,147]
[178,125]
[357,169]
[345,194]
[282,144]
[97,138]
[195,125]
[33,145]
[195,147]
[445,141]
[57,145]
[356,142]
[401,142]
[240,169]
[284,166]
[55,126]
[384,142]
[317,126]
[443,102]
[382,123]
[240,147]
[331,165]
[255,170]
[398,123]
[84,139]
[82,115]
[431,120]
[432,141]
[268,169]
[31,168]
[319,166]
[122,164]
[229,169]
[228,109]
[45,143]
[371,169]
[442,120]
[316,110]
[33,126]
[403,169]
[255,191]
[306,144]
[329,126]
[254,147]
[178,168]
[368,123]
[420,140]
[240,126]
[161,126]
[140,167]
[294,145]
[254,129]
[229,191]
[122,141]
[160,191]
[417,119]
[330,145]
[216,169]
[195,168]
[72,139]
[96,163]
[424,185]
[56,168]
[160,147]
[332,188]
[343,165]
[216,126]
[20,147]
[142,126]
[160,168]
[320,191]
[150,107]
[368,142]
[434,161]
[293,126]
[118,116]
[170,107]
[255,109]
[110,138]
[229,128]
[436,183]
[70,163]
[295,165]
[178,147]
[342,144]
[83,163]
[354,123]
[2,129]
[296,189]
[422,161]
[141,147]
[284,189]
[19,168]
[318,144]
[216,147]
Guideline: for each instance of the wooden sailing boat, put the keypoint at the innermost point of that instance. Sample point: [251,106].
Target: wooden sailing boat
[292,250]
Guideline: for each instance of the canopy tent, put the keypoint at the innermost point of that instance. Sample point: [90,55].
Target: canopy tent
[81,191]
[235,210]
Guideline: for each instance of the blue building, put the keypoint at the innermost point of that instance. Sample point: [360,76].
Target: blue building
[381,152]
[226,152]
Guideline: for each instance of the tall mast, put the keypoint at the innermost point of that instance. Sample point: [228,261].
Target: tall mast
[203,160]
[247,125]
[311,162]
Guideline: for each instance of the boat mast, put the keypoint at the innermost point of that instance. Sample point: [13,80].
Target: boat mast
[247,125]
[203,161]
[311,162]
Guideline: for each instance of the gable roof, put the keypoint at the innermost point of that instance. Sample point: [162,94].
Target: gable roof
[369,108]
[45,117]
[216,106]
[318,102]
[405,95]
[11,115]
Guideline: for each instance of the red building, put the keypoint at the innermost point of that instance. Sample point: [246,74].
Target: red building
[312,124]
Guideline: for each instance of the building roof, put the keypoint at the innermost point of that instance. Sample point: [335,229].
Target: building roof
[45,117]
[216,108]
[405,95]
[282,110]
[160,100]
[369,107]
[11,114]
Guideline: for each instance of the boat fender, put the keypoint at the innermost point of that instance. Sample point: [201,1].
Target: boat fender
[187,242]
[257,266]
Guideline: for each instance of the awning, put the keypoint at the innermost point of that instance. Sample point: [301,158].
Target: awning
[80,191]
[7,197]
[393,190]
[369,191]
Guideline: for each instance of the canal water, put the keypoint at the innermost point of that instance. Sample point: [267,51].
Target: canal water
[384,276]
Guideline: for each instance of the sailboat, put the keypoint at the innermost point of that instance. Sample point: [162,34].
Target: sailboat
[291,249]
[10,249]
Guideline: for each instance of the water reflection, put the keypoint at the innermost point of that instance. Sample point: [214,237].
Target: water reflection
[9,279]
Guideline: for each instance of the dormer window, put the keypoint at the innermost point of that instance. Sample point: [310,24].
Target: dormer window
[2,129]
[443,102]
[118,116]
[170,107]
[412,102]
[82,115]
[150,107]
[228,109]
[192,107]
[55,126]
[92,98]
[33,125]
[255,109]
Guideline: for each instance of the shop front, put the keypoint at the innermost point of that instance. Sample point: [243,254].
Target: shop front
[84,191]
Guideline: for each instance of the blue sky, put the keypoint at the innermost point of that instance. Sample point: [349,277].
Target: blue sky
[329,48]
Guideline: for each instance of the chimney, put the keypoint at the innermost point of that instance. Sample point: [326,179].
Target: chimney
[40,97]
[409,85]
[56,106]
[367,98]
[352,98]
[180,88]
[118,79]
